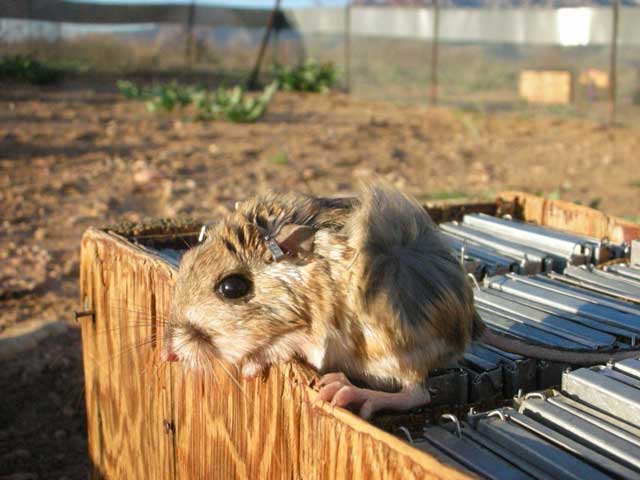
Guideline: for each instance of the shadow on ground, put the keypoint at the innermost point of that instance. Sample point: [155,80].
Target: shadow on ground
[42,419]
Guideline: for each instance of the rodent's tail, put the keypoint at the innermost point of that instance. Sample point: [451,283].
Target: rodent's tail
[554,354]
[404,268]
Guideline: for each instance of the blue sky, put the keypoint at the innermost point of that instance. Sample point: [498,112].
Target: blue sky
[234,3]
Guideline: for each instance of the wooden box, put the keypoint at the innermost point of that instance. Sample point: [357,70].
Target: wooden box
[149,419]
[546,86]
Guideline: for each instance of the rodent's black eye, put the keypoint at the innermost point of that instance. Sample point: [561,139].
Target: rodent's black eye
[234,286]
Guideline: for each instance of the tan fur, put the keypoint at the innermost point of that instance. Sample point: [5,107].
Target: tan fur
[379,297]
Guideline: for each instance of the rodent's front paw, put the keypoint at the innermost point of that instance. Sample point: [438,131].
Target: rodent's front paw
[337,389]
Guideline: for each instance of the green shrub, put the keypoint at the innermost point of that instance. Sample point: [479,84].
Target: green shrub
[131,91]
[22,68]
[229,104]
[168,97]
[160,97]
[232,104]
[280,158]
[311,76]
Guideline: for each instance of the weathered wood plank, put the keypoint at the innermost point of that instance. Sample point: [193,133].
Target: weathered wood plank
[127,395]
[573,218]
[546,86]
[275,430]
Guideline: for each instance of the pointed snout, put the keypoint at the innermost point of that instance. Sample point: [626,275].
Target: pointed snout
[171,357]
[168,354]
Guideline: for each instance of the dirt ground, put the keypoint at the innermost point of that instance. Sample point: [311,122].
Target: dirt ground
[79,155]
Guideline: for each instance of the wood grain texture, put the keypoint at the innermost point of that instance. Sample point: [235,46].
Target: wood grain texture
[573,218]
[224,427]
[127,394]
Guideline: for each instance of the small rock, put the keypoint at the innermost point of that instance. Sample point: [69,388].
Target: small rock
[111,129]
[213,149]
[144,176]
[39,234]
[309,173]
[362,172]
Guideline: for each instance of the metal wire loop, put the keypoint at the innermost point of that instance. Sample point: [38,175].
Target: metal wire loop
[454,419]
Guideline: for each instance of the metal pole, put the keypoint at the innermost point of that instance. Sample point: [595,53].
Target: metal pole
[30,40]
[347,47]
[275,49]
[613,64]
[253,77]
[433,93]
[190,39]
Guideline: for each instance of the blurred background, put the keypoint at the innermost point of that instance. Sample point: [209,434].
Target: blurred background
[473,54]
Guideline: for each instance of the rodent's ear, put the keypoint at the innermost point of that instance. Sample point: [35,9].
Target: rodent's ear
[296,239]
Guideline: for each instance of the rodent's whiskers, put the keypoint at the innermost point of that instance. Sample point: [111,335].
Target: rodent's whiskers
[141,310]
[128,349]
[231,377]
[127,325]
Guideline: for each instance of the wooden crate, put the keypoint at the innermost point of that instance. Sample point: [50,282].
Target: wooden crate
[593,77]
[150,419]
[546,86]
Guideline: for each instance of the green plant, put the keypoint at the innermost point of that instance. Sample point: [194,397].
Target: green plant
[160,97]
[311,76]
[228,104]
[279,158]
[23,68]
[130,90]
[444,195]
[232,104]
[168,97]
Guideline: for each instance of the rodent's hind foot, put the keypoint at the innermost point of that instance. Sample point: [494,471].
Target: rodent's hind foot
[337,389]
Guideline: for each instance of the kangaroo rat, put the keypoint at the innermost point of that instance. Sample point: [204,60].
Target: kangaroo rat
[360,289]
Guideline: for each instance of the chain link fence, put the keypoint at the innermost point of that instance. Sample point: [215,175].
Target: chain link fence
[481,56]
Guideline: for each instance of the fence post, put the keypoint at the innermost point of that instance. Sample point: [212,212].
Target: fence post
[433,93]
[347,47]
[252,81]
[613,63]
[190,39]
